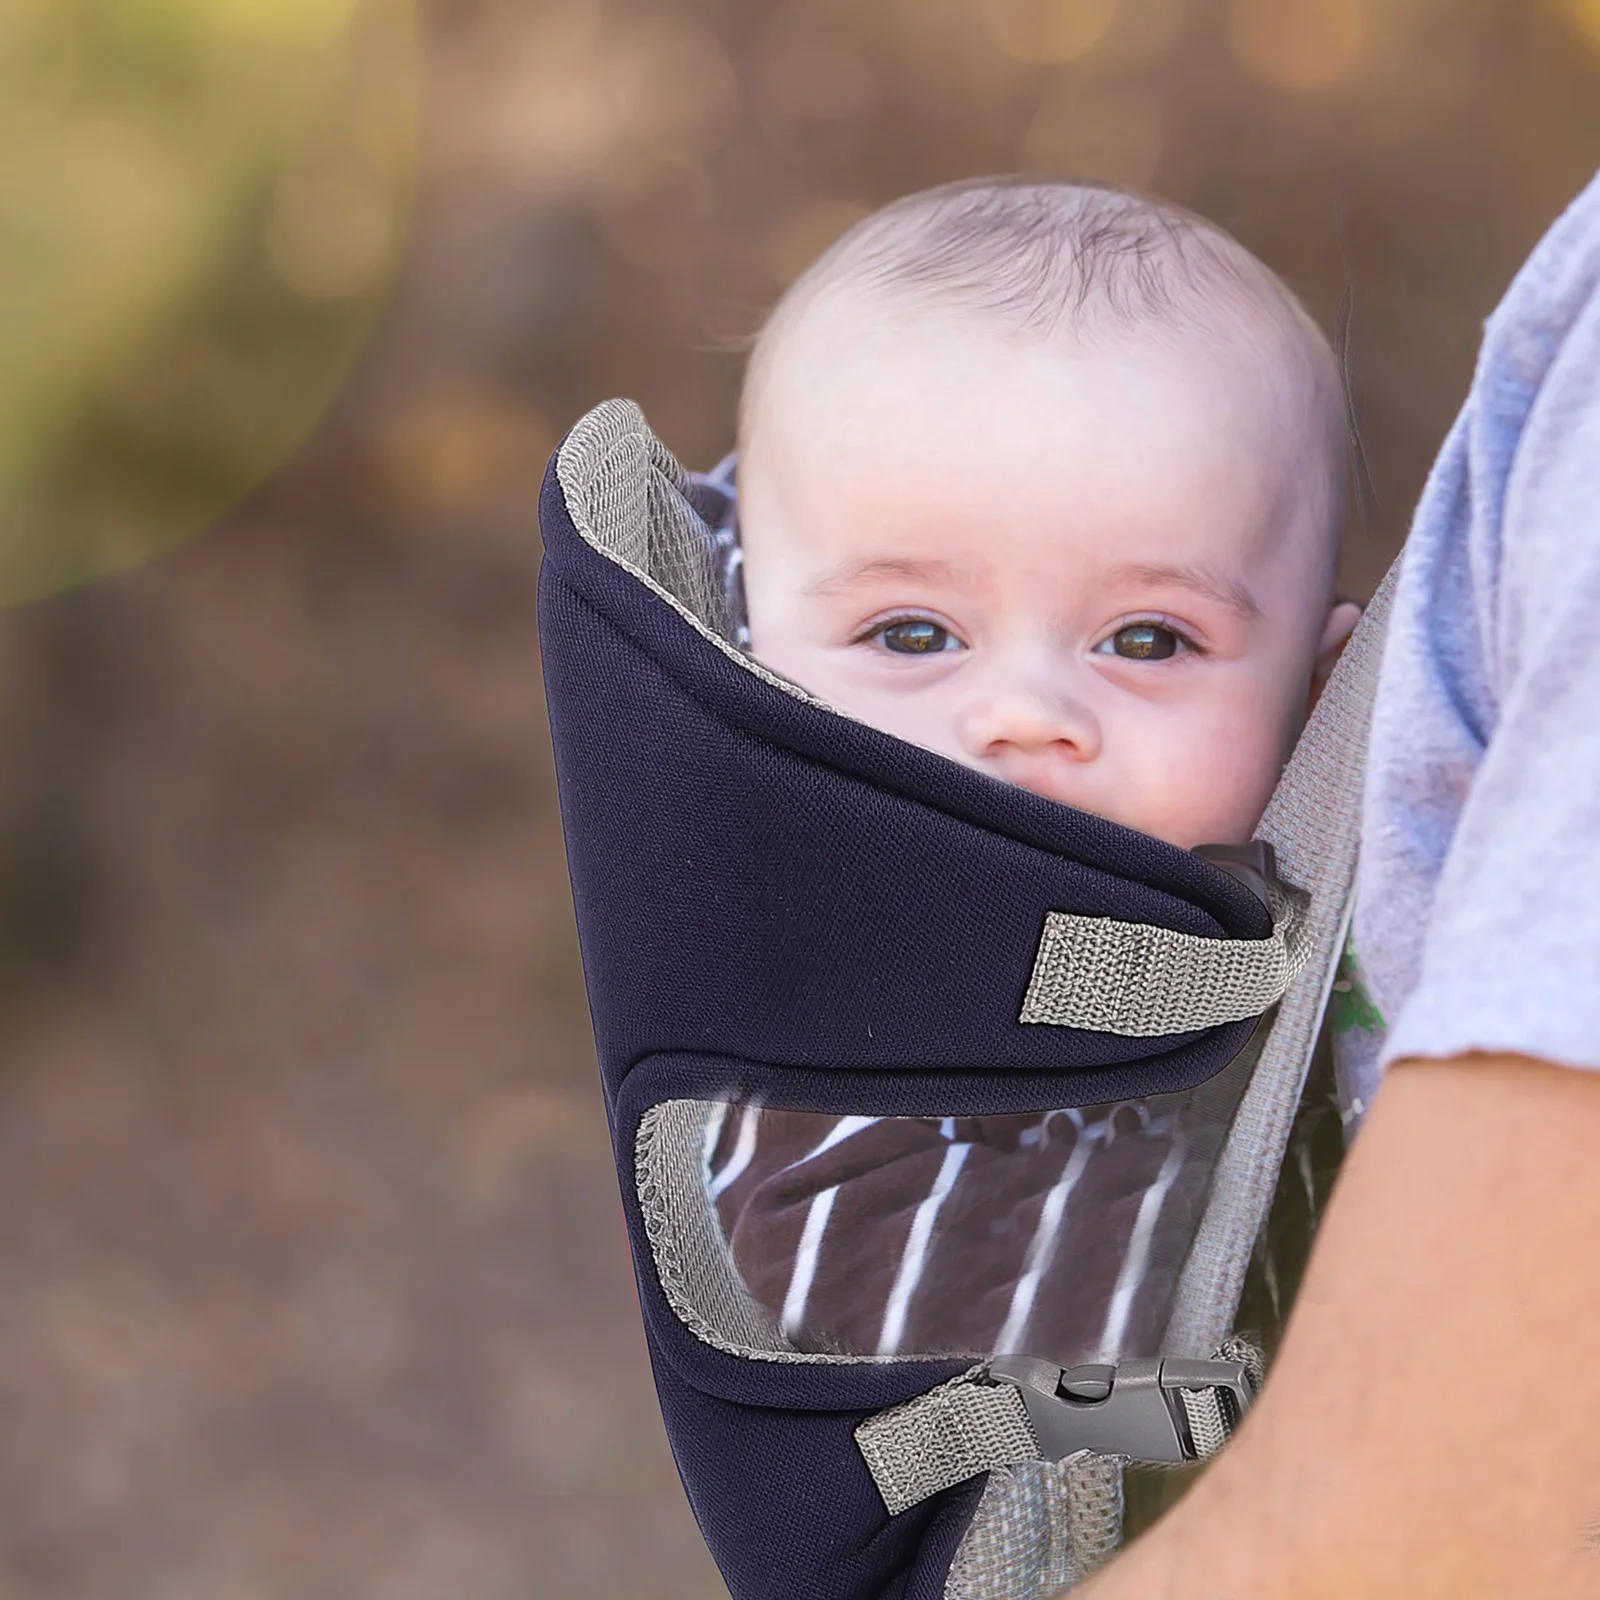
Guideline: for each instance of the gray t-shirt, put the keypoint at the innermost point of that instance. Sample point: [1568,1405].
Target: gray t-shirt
[1477,920]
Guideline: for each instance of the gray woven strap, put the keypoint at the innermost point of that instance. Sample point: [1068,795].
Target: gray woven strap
[1207,1425]
[1142,981]
[944,1437]
[1209,1422]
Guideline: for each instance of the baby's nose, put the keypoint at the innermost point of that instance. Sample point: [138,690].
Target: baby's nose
[1029,721]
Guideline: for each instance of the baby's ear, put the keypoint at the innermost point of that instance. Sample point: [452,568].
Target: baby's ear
[1336,631]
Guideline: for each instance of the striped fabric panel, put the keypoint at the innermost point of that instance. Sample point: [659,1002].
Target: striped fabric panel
[1057,1234]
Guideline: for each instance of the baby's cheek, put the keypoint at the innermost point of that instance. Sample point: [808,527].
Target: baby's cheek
[1238,784]
[1218,781]
[923,718]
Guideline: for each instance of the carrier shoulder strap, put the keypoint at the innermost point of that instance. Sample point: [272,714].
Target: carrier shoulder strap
[975,1424]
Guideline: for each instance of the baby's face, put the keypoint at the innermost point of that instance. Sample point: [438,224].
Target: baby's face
[1086,571]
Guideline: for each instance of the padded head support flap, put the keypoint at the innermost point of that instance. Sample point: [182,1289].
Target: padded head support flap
[780,906]
[761,879]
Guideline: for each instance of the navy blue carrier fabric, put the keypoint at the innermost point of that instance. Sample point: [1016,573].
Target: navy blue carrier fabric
[777,904]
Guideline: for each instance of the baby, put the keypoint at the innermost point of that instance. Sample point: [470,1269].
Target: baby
[1047,478]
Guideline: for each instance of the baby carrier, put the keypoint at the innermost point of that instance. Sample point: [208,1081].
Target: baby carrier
[946,1117]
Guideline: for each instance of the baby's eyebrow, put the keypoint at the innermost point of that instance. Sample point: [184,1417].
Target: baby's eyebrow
[1228,592]
[863,569]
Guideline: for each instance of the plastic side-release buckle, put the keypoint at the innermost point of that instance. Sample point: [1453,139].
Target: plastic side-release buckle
[1255,865]
[1136,1409]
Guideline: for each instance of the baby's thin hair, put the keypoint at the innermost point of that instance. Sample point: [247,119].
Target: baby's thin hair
[1035,251]
[1042,256]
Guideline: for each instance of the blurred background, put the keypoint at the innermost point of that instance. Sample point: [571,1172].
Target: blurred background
[311,1263]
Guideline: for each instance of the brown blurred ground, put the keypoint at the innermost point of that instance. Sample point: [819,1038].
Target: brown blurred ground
[314,1278]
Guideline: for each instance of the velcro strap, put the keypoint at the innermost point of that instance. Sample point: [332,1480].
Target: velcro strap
[1141,981]
[944,1437]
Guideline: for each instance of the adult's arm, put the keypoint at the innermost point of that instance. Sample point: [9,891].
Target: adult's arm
[1432,1427]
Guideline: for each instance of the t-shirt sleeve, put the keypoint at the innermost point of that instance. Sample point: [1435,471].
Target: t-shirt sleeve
[1483,887]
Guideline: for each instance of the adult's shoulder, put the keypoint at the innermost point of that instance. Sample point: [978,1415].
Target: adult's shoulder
[1485,749]
[1556,292]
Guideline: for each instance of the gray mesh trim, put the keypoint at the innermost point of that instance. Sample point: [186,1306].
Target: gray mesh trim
[624,493]
[1018,1545]
[1142,981]
[944,1437]
[1313,823]
[693,1263]
[1093,1511]
[691,1256]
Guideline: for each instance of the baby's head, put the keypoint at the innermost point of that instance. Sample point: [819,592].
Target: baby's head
[1049,478]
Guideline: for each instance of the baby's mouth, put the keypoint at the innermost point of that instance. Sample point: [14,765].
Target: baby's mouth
[1064,783]
[1064,787]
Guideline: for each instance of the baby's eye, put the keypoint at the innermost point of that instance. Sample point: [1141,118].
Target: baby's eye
[1141,641]
[917,637]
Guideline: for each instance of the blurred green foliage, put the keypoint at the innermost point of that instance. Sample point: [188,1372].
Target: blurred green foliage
[200,202]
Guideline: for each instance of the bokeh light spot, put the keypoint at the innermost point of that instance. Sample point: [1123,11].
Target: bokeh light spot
[1049,30]
[1143,30]
[455,449]
[1095,132]
[674,89]
[1298,44]
[312,22]
[201,203]
[1585,14]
